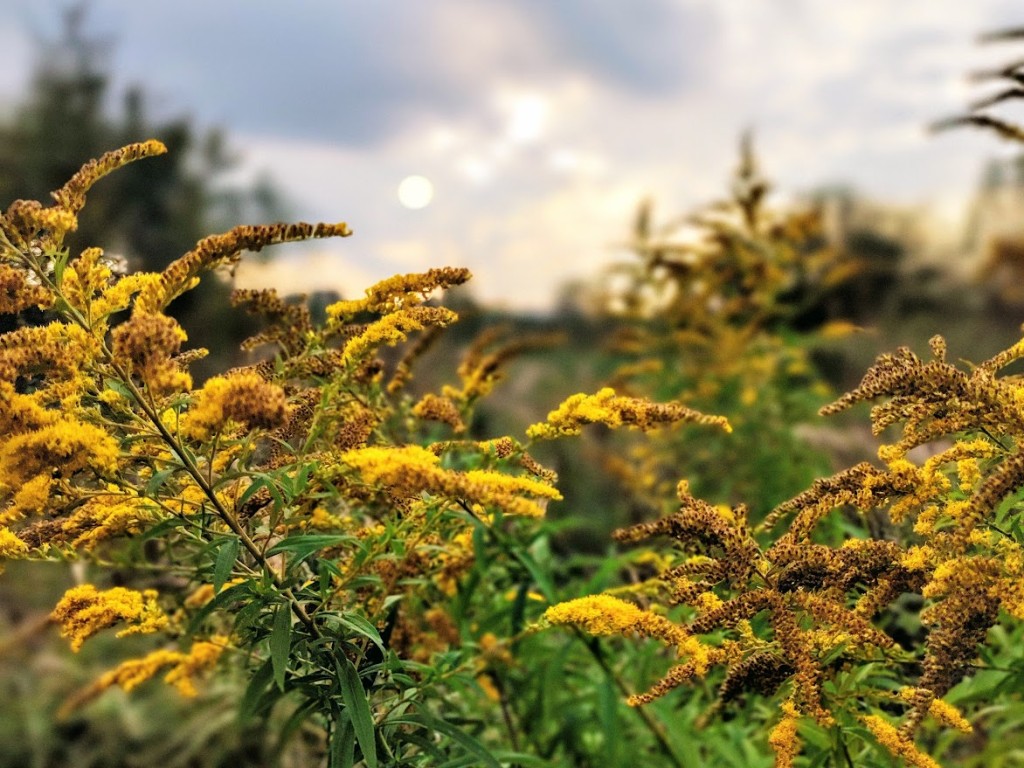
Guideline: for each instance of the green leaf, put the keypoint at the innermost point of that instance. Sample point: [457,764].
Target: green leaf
[518,610]
[431,723]
[255,699]
[543,579]
[232,593]
[358,708]
[119,387]
[226,557]
[157,481]
[281,643]
[258,482]
[302,546]
[161,528]
[60,263]
[362,626]
[343,744]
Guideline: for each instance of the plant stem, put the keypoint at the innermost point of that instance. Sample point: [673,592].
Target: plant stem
[653,726]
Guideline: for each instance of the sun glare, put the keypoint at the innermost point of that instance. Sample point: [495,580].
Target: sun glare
[415,192]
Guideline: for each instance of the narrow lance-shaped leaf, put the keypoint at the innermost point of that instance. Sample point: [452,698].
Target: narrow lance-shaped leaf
[358,708]
[281,643]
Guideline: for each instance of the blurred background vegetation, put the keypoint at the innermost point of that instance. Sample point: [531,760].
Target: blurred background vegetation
[797,303]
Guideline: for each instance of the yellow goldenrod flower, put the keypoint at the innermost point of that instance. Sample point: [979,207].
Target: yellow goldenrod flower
[202,657]
[783,738]
[605,407]
[245,398]
[433,407]
[128,675]
[29,500]
[486,683]
[17,293]
[104,517]
[11,547]
[68,445]
[415,470]
[944,712]
[606,615]
[393,329]
[71,197]
[896,744]
[84,611]
[396,292]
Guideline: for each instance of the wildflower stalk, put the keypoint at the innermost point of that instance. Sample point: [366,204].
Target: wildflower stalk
[593,645]
[201,480]
[154,418]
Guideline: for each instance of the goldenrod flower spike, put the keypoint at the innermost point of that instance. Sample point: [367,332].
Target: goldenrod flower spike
[607,615]
[129,674]
[783,739]
[897,744]
[393,329]
[11,547]
[71,197]
[84,611]
[479,372]
[397,292]
[605,407]
[24,220]
[215,250]
[244,398]
[412,470]
[17,293]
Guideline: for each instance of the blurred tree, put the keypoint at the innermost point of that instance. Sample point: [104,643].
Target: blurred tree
[151,212]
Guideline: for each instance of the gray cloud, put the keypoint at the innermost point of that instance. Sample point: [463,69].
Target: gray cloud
[361,73]
[646,46]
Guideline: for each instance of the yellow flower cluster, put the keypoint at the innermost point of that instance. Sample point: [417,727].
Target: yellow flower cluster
[396,293]
[244,398]
[783,739]
[84,610]
[896,744]
[102,517]
[433,407]
[481,366]
[184,669]
[605,407]
[11,547]
[216,250]
[71,197]
[65,444]
[412,470]
[146,345]
[607,615]
[393,329]
[18,294]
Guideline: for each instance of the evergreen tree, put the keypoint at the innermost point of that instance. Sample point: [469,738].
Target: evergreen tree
[151,212]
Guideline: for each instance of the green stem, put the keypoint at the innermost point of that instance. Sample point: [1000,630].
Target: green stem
[592,645]
[149,409]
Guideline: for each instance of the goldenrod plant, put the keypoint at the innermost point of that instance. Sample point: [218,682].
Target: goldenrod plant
[721,308]
[863,642]
[303,522]
[790,615]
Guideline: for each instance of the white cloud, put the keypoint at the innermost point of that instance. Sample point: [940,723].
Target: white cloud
[541,125]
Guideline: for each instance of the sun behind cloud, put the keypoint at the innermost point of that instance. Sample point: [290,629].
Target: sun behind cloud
[415,192]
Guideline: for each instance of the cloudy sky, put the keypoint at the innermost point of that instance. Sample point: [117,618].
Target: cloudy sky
[540,124]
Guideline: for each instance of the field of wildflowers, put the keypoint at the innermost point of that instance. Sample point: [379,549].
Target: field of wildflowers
[351,572]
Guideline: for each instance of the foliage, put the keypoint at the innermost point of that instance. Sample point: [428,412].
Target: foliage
[338,567]
[296,522]
[722,308]
[933,560]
